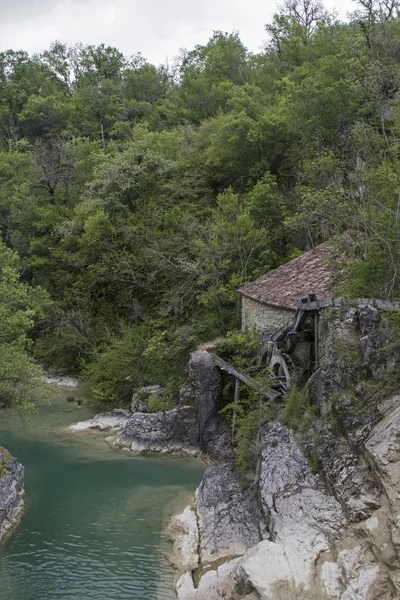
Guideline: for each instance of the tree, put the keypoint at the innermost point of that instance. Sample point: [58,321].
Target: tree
[292,28]
[20,306]
[308,13]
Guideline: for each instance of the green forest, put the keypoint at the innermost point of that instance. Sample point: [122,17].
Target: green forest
[136,199]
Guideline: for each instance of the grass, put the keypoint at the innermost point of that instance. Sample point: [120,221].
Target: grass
[298,413]
[6,459]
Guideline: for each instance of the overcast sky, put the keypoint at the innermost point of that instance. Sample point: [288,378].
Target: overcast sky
[157,28]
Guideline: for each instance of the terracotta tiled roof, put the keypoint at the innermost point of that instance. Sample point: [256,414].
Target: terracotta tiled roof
[312,272]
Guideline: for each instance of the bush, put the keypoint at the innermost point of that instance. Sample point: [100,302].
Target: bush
[117,369]
[157,404]
[239,347]
[5,458]
[252,411]
[298,414]
[70,398]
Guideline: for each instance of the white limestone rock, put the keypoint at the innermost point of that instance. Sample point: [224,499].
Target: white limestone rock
[114,420]
[266,570]
[62,381]
[364,579]
[330,577]
[383,445]
[304,519]
[216,584]
[185,534]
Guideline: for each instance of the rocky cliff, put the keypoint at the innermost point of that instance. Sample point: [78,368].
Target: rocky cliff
[322,521]
[193,427]
[11,491]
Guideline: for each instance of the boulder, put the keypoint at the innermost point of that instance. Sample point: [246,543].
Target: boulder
[11,491]
[170,431]
[113,420]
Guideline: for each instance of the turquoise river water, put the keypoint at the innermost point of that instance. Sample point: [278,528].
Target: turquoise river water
[94,520]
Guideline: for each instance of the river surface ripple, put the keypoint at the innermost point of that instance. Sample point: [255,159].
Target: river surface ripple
[94,517]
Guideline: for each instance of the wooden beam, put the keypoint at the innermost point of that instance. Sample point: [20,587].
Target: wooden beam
[249,381]
[235,401]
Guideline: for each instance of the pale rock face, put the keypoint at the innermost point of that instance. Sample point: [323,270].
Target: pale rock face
[114,420]
[348,476]
[378,529]
[303,518]
[363,577]
[183,528]
[330,580]
[266,569]
[383,445]
[217,584]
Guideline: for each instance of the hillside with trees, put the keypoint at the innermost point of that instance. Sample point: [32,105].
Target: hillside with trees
[135,199]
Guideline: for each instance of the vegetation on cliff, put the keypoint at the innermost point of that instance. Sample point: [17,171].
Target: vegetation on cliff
[140,197]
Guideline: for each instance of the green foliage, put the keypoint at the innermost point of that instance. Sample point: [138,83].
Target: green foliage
[117,369]
[348,351]
[249,413]
[157,404]
[21,381]
[298,413]
[313,455]
[141,198]
[239,347]
[5,458]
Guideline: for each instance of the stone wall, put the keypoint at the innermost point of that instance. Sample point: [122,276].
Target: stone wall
[263,317]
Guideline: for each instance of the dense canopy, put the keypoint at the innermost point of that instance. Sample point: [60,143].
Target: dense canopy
[141,198]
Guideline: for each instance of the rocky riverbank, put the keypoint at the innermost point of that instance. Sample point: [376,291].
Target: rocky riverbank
[322,520]
[11,492]
[192,428]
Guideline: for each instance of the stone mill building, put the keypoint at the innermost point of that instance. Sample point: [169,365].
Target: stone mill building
[269,302]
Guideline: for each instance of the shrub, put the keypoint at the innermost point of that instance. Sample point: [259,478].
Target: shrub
[298,414]
[349,351]
[313,455]
[5,458]
[239,347]
[160,404]
[252,410]
[70,398]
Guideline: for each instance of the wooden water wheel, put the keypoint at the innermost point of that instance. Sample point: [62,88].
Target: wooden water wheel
[282,369]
